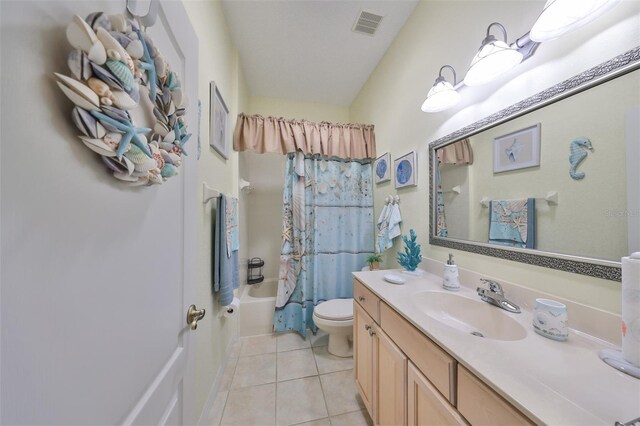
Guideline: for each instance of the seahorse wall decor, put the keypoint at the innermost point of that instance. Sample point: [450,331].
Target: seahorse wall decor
[578,152]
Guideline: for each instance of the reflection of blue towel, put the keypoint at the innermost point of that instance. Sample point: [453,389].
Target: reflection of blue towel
[513,222]
[225,269]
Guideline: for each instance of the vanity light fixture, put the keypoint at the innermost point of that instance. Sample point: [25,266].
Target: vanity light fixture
[494,58]
[442,95]
[561,16]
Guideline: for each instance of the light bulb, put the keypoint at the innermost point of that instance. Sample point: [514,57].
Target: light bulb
[561,16]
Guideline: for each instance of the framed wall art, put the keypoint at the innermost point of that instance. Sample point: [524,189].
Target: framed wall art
[517,150]
[406,170]
[218,122]
[382,168]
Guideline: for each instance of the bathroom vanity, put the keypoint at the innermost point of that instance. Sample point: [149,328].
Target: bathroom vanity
[417,363]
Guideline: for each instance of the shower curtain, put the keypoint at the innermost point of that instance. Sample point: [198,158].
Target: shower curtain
[327,233]
[441,220]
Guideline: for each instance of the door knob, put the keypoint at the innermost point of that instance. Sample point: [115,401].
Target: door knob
[194,315]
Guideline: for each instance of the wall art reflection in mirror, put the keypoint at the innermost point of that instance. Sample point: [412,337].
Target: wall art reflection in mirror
[527,145]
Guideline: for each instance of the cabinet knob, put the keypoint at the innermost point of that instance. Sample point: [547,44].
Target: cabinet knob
[371,332]
[360,298]
[367,327]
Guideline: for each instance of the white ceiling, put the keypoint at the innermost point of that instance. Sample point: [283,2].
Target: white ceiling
[305,50]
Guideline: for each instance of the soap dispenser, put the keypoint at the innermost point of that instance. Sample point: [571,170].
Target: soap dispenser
[450,277]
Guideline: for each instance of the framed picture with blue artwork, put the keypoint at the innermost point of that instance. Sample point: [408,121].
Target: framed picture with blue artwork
[406,170]
[517,150]
[382,168]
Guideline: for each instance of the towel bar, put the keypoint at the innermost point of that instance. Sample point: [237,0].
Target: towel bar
[208,193]
[456,189]
[551,199]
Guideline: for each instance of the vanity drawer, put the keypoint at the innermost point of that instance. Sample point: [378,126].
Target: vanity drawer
[433,362]
[480,405]
[367,299]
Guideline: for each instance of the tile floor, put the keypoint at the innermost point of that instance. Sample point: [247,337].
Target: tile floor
[286,380]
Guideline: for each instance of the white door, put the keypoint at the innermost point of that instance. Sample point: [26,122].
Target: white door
[95,278]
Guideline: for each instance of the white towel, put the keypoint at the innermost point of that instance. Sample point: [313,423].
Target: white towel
[382,216]
[394,222]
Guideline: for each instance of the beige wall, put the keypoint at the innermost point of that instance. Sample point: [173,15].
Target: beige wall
[266,174]
[392,96]
[218,62]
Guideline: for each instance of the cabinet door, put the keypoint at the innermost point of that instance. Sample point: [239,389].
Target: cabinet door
[363,350]
[482,406]
[425,405]
[391,373]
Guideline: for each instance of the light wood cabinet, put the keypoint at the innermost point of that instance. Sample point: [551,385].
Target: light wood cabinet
[436,364]
[380,371]
[363,353]
[391,384]
[404,378]
[480,405]
[425,404]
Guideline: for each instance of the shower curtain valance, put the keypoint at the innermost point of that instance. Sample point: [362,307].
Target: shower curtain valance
[282,136]
[456,153]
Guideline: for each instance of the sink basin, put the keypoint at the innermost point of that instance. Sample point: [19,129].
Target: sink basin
[469,316]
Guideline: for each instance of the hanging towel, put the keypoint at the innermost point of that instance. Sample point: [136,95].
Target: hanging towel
[231,218]
[394,222]
[513,222]
[225,268]
[383,229]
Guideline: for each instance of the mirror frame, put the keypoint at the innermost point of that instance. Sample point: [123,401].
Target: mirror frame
[599,268]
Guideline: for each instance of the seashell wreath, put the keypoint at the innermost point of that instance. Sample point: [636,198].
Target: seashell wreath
[113,63]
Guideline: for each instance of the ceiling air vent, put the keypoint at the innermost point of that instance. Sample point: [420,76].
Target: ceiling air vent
[367,23]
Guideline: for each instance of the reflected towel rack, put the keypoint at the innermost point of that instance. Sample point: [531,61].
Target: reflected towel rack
[208,193]
[392,199]
[551,199]
[456,189]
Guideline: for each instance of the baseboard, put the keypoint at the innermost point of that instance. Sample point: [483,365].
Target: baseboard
[215,387]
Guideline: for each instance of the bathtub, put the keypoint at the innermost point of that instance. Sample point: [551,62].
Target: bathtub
[257,304]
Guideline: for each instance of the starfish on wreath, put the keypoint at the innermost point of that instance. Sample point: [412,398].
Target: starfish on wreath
[130,133]
[147,64]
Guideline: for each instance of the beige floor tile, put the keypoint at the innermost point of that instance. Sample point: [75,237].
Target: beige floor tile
[340,392]
[296,364]
[254,405]
[300,401]
[215,416]
[328,363]
[321,422]
[292,341]
[320,339]
[357,418]
[256,345]
[227,376]
[254,370]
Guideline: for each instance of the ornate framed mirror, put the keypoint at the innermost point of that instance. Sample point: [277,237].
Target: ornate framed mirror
[576,207]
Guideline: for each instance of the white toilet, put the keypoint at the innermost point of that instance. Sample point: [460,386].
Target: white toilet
[335,317]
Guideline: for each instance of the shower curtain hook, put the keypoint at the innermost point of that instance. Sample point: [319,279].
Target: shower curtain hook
[150,18]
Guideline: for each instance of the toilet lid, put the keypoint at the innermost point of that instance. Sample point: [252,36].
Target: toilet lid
[335,309]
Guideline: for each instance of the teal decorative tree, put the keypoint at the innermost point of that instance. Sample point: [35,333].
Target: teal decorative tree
[411,256]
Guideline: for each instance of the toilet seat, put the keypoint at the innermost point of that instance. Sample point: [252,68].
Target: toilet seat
[335,310]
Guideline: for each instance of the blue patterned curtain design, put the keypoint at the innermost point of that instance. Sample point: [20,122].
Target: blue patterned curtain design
[441,221]
[327,234]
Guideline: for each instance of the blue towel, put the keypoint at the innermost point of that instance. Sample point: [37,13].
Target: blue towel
[513,222]
[225,268]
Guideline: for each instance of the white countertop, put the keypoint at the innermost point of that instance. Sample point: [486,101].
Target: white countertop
[557,383]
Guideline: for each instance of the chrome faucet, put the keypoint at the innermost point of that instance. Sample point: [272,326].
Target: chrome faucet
[495,295]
